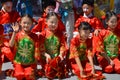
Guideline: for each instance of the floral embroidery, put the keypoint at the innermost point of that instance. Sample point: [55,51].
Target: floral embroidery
[25,52]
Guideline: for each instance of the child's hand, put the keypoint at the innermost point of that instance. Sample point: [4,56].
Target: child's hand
[93,73]
[96,32]
[111,63]
[15,27]
[47,57]
[61,57]
[82,74]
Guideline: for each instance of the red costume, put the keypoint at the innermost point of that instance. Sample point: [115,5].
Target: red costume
[42,25]
[108,42]
[93,21]
[26,47]
[54,44]
[6,19]
[80,49]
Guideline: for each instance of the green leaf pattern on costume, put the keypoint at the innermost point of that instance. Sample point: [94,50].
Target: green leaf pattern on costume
[111,45]
[82,51]
[25,52]
[52,46]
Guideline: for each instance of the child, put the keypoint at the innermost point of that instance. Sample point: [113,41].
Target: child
[81,53]
[26,46]
[88,7]
[55,48]
[108,45]
[7,16]
[48,6]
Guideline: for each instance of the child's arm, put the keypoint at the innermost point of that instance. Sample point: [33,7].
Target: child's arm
[80,67]
[15,30]
[90,58]
[107,58]
[48,57]
[63,48]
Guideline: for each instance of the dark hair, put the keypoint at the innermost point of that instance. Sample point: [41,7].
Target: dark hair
[3,1]
[88,2]
[46,3]
[30,17]
[85,26]
[51,14]
[109,14]
[26,15]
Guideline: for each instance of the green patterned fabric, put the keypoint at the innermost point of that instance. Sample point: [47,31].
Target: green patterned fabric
[52,46]
[111,45]
[25,52]
[82,50]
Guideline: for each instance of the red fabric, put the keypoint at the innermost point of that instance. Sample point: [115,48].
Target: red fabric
[87,69]
[63,46]
[98,45]
[10,17]
[25,71]
[42,25]
[7,51]
[107,67]
[86,66]
[7,17]
[55,68]
[75,44]
[93,21]
[21,71]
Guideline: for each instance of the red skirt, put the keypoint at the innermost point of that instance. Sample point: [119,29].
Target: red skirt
[55,68]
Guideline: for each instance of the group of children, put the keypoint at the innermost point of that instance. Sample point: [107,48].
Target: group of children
[57,51]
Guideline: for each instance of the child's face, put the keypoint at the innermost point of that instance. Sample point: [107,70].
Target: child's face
[87,9]
[84,34]
[26,23]
[112,22]
[52,23]
[8,6]
[49,9]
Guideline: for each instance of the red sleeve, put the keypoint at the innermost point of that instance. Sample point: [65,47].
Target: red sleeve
[63,45]
[14,16]
[40,26]
[73,48]
[61,26]
[77,23]
[96,23]
[98,45]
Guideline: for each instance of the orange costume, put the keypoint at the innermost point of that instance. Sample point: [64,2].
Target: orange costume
[80,49]
[25,56]
[108,42]
[54,44]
